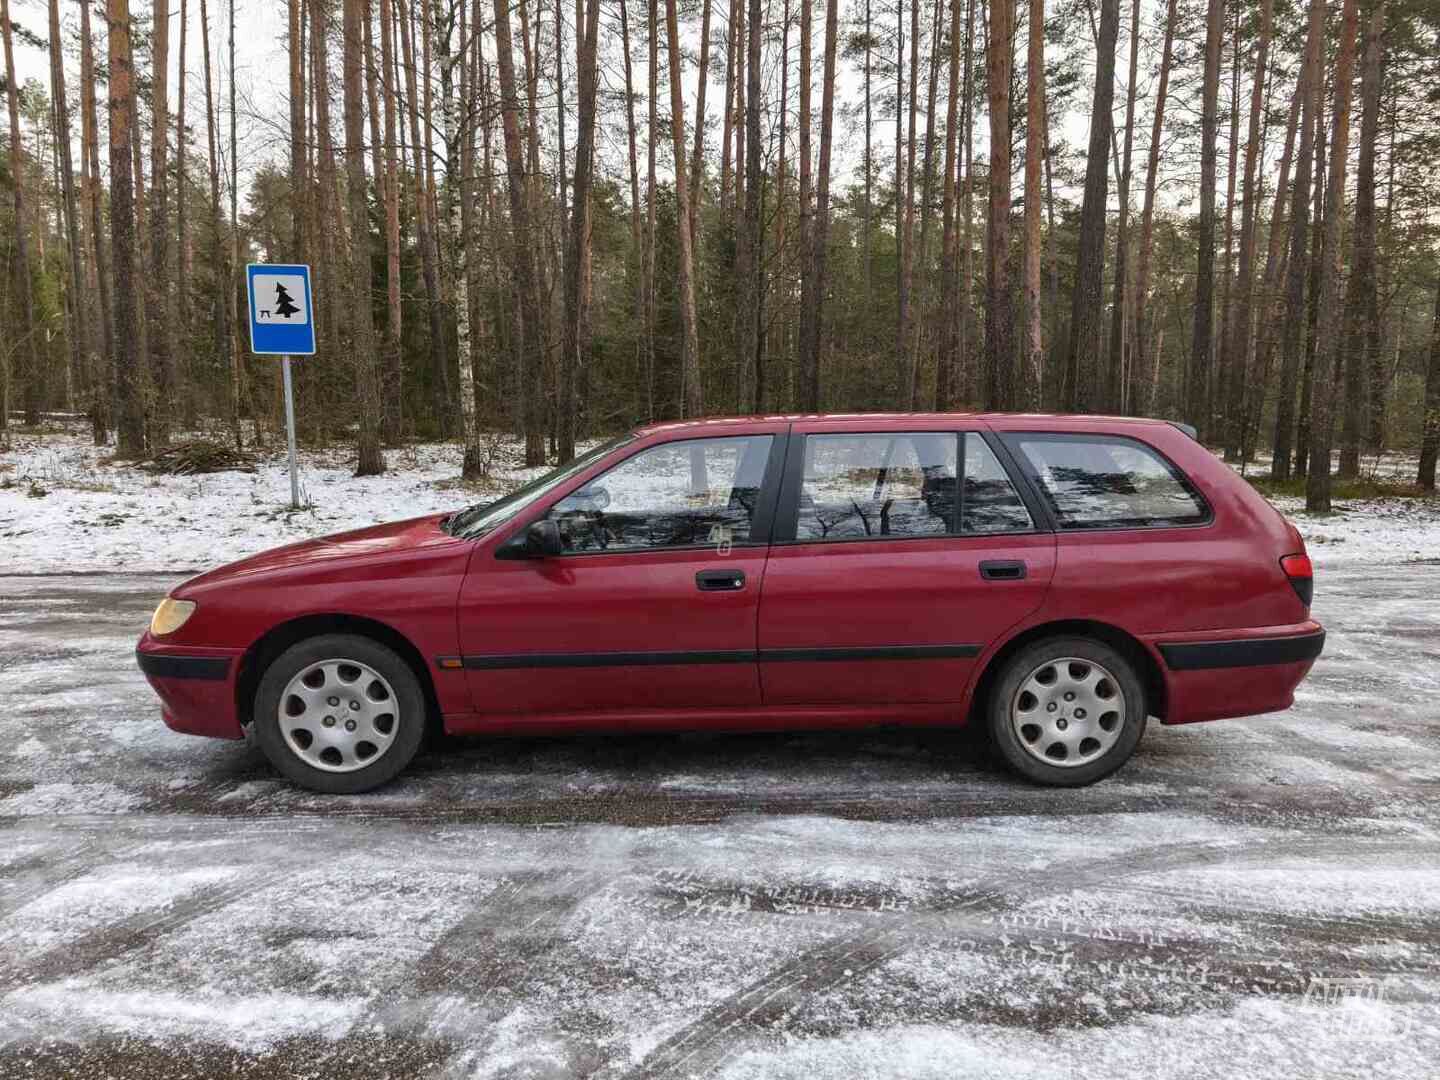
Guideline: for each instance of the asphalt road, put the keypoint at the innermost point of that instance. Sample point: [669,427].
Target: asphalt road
[1247,897]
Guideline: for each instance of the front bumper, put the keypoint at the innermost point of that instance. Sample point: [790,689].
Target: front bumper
[196,687]
[1215,674]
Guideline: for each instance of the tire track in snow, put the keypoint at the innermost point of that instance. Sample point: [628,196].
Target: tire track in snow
[701,1046]
[133,933]
[497,947]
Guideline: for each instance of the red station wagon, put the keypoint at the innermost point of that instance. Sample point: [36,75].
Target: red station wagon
[1056,579]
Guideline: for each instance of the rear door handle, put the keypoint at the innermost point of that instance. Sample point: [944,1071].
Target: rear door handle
[719,580]
[1002,569]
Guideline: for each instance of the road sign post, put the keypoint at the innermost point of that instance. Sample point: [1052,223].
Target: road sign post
[281,325]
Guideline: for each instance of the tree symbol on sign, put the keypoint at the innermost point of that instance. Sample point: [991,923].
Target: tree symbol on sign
[284,302]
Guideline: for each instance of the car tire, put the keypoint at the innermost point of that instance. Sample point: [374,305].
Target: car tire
[1066,711]
[339,713]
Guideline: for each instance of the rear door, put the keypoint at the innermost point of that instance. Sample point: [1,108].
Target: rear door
[898,555]
[653,602]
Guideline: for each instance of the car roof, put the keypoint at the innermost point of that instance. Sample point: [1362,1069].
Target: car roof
[998,419]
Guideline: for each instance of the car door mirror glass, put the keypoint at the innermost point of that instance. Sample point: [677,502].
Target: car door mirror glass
[542,539]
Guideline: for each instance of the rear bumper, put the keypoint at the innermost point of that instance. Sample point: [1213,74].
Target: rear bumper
[196,687]
[1214,675]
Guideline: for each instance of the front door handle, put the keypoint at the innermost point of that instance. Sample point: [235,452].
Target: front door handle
[719,580]
[1002,569]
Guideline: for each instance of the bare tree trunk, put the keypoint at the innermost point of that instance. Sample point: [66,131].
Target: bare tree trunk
[1242,313]
[180,327]
[1119,323]
[1223,375]
[1317,486]
[1430,420]
[749,256]
[820,238]
[1312,299]
[575,344]
[1087,310]
[652,123]
[727,120]
[807,332]
[947,356]
[393,417]
[1310,92]
[1197,404]
[1147,215]
[920,337]
[999,300]
[79,319]
[33,374]
[460,122]
[369,460]
[130,428]
[697,157]
[298,180]
[425,226]
[217,221]
[1362,305]
[869,212]
[904,354]
[531,346]
[690,353]
[233,274]
[637,249]
[90,144]
[1034,155]
[159,319]
[964,380]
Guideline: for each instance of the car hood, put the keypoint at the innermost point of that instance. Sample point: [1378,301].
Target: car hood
[376,542]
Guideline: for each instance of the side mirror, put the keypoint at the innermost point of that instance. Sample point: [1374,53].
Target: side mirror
[542,539]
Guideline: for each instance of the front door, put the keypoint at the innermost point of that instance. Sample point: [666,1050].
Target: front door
[897,557]
[652,604]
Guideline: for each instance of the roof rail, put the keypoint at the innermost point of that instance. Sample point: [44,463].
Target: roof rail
[1188,429]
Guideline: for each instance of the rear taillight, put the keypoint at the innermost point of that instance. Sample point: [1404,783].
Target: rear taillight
[1301,574]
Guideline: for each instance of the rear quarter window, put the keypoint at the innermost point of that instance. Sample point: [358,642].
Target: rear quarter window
[1109,482]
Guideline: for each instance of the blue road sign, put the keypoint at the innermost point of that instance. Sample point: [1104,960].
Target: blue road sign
[281,311]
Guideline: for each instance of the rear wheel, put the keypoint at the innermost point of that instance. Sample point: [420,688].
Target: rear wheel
[339,713]
[1067,711]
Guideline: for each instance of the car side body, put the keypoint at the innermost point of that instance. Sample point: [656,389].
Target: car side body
[795,619]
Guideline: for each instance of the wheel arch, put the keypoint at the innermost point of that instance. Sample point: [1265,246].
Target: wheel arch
[1146,665]
[280,637]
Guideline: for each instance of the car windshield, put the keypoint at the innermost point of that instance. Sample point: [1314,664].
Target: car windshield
[475,521]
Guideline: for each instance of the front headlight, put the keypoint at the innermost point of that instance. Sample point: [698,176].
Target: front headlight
[170,616]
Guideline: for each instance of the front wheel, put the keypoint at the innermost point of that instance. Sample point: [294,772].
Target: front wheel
[339,713]
[1067,711]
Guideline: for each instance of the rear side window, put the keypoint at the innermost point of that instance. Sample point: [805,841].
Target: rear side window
[880,485]
[877,485]
[1110,482]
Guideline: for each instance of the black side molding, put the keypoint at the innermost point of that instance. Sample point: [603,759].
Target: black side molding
[880,652]
[1251,652]
[161,666]
[493,662]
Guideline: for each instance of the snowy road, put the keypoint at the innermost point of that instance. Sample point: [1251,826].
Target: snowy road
[765,906]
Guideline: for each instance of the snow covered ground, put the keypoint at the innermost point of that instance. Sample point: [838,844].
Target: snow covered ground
[1246,898]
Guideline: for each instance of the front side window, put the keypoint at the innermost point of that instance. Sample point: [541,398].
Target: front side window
[682,494]
[1110,483]
[877,485]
